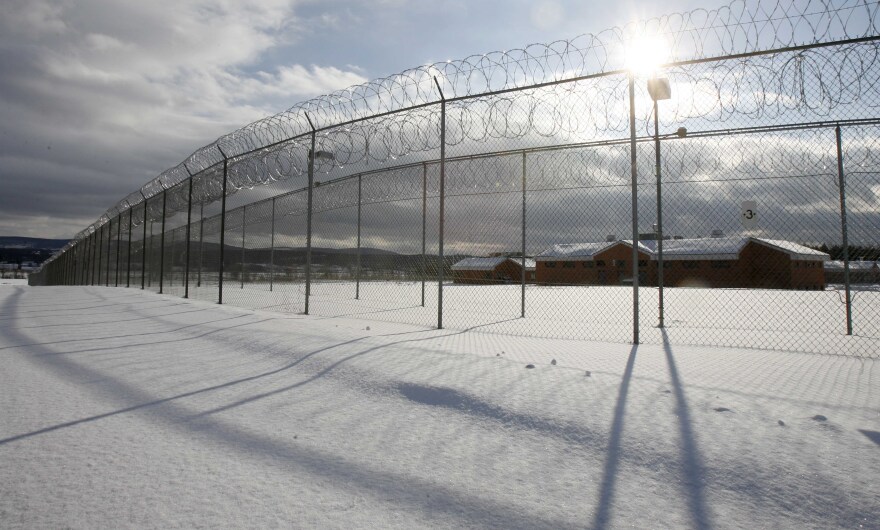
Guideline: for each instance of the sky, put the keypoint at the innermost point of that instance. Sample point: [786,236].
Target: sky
[98,97]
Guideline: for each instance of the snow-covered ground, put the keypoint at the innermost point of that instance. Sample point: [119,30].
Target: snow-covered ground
[121,408]
[806,321]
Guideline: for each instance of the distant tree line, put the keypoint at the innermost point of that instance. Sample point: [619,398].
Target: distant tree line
[856,252]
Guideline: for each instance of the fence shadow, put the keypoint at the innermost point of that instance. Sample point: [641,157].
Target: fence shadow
[692,469]
[612,457]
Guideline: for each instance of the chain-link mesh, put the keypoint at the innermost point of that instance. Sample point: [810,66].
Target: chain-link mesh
[511,193]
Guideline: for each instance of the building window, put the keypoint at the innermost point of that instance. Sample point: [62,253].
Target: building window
[600,263]
[643,263]
[488,275]
[567,264]
[588,264]
[721,264]
[550,264]
[690,264]
[797,264]
[620,263]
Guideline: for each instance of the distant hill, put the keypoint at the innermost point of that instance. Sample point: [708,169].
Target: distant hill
[322,250]
[15,249]
[31,242]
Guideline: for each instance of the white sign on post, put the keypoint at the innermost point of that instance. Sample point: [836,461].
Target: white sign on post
[749,215]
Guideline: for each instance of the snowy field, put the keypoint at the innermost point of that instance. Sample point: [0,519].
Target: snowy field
[805,321]
[121,408]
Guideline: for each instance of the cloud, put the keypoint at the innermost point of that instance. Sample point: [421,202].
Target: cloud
[101,96]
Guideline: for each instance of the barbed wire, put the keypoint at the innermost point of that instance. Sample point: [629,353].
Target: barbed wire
[565,91]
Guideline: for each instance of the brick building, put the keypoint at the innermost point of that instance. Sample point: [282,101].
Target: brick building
[605,263]
[745,262]
[861,272]
[500,269]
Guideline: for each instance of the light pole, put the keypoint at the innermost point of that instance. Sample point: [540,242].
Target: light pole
[313,155]
[659,89]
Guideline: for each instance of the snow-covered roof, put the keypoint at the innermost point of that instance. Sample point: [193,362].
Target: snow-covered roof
[488,264]
[574,250]
[793,249]
[708,248]
[643,245]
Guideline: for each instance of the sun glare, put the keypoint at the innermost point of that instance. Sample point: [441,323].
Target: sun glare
[645,54]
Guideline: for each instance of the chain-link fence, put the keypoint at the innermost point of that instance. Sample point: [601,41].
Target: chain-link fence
[729,198]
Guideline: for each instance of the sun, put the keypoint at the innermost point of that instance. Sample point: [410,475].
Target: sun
[645,54]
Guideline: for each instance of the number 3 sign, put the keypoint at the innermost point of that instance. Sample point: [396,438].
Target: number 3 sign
[749,215]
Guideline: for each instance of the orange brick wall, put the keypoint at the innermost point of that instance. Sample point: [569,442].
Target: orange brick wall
[758,266]
[600,271]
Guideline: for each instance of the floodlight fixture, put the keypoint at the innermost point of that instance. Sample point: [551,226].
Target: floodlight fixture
[659,88]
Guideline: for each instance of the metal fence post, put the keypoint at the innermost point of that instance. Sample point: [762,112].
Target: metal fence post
[92,255]
[150,276]
[84,256]
[843,229]
[241,265]
[128,261]
[311,185]
[101,262]
[357,283]
[144,246]
[189,208]
[99,252]
[222,224]
[635,206]
[77,261]
[171,258]
[201,241]
[109,226]
[523,256]
[84,275]
[424,224]
[660,308]
[99,255]
[442,203]
[272,250]
[109,241]
[118,249]
[95,255]
[89,259]
[162,242]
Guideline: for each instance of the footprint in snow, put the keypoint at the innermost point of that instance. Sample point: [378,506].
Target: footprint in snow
[823,421]
[723,409]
